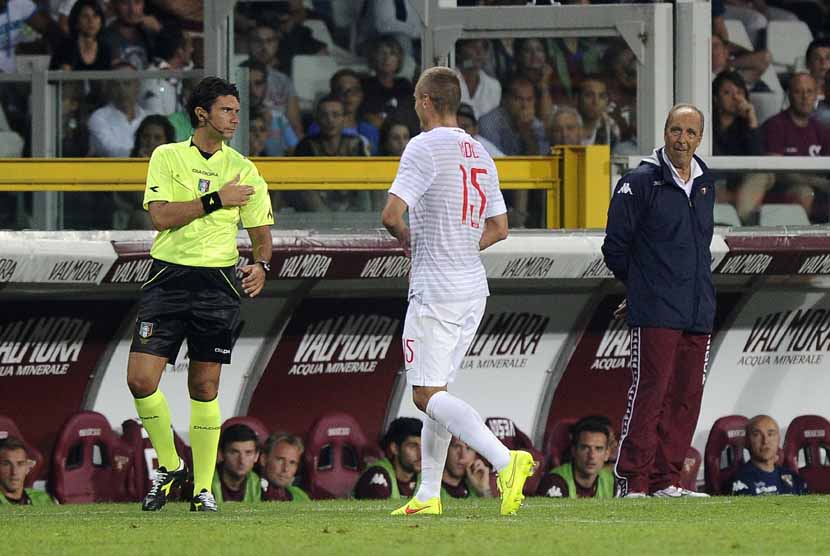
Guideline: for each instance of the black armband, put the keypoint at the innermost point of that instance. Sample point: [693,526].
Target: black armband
[211,202]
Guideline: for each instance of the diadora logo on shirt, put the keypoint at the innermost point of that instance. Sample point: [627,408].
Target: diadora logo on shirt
[204,172]
[625,189]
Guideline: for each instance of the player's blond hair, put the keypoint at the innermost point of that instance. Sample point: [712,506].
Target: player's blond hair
[276,438]
[441,85]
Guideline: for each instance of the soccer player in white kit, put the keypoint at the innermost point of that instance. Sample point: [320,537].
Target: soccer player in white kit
[450,186]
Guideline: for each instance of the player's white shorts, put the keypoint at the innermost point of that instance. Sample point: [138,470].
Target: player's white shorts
[435,338]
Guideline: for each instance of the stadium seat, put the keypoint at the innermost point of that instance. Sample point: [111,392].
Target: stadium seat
[333,455]
[510,435]
[90,462]
[767,105]
[783,214]
[691,466]
[724,453]
[786,41]
[9,428]
[311,74]
[145,461]
[557,443]
[737,34]
[726,215]
[807,450]
[256,425]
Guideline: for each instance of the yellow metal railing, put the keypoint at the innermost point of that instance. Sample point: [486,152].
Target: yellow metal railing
[571,178]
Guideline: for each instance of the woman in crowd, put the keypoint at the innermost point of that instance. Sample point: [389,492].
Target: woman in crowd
[84,49]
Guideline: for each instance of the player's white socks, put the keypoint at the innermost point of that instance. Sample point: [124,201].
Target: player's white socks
[464,422]
[435,439]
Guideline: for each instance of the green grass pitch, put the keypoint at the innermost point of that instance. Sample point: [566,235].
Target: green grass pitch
[772,525]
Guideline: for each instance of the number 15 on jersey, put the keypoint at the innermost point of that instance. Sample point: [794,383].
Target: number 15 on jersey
[468,205]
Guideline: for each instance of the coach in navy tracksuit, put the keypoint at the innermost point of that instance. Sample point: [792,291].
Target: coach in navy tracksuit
[660,225]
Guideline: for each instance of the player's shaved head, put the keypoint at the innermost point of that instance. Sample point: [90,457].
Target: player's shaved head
[441,85]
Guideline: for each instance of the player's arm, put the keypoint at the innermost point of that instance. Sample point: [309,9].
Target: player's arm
[261,247]
[495,230]
[165,215]
[623,220]
[393,221]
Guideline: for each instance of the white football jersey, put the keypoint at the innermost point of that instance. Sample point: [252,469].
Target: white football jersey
[450,185]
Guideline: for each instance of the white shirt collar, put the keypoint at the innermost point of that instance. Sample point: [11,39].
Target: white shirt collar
[695,173]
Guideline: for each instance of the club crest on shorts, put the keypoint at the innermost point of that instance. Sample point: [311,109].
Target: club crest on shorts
[145,329]
[204,185]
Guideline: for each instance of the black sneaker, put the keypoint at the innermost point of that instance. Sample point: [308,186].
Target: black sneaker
[203,502]
[163,481]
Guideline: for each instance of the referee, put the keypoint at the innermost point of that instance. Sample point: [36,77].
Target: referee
[197,192]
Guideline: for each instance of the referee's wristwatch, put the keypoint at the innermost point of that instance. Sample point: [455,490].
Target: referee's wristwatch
[266,266]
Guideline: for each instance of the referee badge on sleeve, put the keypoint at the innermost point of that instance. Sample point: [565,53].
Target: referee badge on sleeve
[204,185]
[145,329]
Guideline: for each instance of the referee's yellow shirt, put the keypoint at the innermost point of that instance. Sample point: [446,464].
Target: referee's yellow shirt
[178,172]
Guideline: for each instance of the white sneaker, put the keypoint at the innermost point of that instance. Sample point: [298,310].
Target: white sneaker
[678,492]
[636,495]
[668,492]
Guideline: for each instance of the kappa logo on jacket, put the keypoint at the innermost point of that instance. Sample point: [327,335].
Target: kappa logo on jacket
[625,189]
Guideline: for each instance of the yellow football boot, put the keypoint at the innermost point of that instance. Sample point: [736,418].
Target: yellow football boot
[511,481]
[415,506]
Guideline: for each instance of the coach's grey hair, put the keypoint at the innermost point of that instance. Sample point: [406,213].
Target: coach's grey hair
[684,106]
[564,109]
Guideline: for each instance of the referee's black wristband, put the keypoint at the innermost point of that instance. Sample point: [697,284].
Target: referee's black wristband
[211,202]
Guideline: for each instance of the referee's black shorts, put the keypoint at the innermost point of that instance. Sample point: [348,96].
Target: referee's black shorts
[199,304]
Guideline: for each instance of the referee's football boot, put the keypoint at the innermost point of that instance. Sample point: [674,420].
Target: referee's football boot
[204,502]
[163,482]
[511,480]
[416,507]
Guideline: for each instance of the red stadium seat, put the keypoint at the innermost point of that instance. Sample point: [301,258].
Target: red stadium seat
[808,443]
[145,461]
[557,443]
[256,425]
[333,455]
[9,428]
[90,462]
[506,431]
[724,453]
[691,466]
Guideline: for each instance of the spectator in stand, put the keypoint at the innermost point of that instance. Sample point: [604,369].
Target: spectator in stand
[396,475]
[279,461]
[822,113]
[465,475]
[15,15]
[572,58]
[235,479]
[257,133]
[478,89]
[385,60]
[174,51]
[296,38]
[532,64]
[154,130]
[515,130]
[331,141]
[131,37]
[280,138]
[468,122]
[263,47]
[345,84]
[598,128]
[795,132]
[818,64]
[585,475]
[736,128]
[83,50]
[180,119]
[565,127]
[751,65]
[737,133]
[761,475]
[621,82]
[394,136]
[15,465]
[112,127]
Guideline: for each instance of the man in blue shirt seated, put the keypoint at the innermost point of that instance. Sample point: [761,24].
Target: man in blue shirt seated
[761,475]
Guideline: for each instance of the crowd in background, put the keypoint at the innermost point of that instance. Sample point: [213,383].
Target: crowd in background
[521,96]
